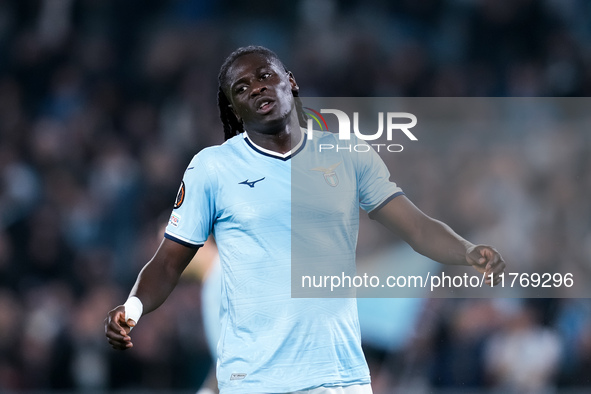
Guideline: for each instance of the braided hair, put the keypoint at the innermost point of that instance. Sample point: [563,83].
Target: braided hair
[232,126]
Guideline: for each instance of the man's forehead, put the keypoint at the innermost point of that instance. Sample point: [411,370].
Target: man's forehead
[251,62]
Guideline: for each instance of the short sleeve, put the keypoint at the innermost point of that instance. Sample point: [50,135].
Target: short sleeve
[375,187]
[193,214]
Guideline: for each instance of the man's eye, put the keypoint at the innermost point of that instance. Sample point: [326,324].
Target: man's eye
[240,89]
[265,75]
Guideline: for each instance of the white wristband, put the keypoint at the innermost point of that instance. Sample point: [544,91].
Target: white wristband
[133,309]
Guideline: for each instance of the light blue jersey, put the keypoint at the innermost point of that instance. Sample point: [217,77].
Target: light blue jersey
[270,342]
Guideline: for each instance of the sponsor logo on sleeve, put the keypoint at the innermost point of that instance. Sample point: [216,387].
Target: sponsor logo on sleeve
[175,219]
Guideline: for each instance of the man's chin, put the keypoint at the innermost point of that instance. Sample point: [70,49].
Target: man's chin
[269,124]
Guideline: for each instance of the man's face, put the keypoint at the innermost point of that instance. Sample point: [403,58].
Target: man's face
[260,91]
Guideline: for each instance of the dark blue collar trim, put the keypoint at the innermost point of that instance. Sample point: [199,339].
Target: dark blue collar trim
[273,154]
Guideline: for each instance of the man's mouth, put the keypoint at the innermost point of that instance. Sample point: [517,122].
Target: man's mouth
[264,106]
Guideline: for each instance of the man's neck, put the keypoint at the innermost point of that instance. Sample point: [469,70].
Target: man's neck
[281,142]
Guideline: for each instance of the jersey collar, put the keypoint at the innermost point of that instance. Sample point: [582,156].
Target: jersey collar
[276,155]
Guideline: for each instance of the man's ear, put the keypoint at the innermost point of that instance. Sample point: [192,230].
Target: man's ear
[292,81]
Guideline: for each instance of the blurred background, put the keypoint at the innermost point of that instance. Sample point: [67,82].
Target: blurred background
[104,102]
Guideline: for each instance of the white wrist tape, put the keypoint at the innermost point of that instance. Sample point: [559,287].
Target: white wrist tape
[133,309]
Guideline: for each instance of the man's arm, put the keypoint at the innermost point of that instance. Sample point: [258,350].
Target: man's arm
[437,240]
[154,284]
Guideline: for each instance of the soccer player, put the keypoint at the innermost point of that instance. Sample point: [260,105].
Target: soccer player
[241,192]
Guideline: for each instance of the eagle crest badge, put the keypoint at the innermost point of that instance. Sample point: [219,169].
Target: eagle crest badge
[330,176]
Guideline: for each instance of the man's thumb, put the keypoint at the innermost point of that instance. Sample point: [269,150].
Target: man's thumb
[131,323]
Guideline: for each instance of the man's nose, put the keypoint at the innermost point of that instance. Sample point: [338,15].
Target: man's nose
[258,89]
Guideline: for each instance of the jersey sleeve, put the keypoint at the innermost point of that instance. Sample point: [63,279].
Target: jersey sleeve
[375,187]
[192,218]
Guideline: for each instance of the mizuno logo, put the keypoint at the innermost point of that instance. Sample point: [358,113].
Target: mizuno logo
[251,184]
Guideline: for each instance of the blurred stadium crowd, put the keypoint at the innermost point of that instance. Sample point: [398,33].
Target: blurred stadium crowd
[104,102]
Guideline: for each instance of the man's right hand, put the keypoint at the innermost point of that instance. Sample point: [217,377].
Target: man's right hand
[154,284]
[117,329]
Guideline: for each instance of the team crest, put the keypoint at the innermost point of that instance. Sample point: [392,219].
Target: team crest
[180,196]
[330,176]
